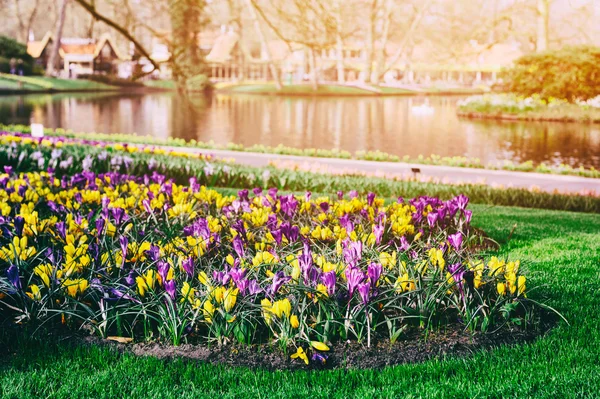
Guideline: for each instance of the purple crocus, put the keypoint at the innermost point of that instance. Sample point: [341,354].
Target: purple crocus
[278,280]
[329,280]
[354,276]
[13,276]
[254,288]
[123,241]
[188,266]
[374,271]
[404,245]
[432,218]
[378,231]
[19,223]
[171,288]
[153,253]
[364,292]
[163,270]
[290,232]
[237,274]
[61,228]
[370,198]
[461,201]
[456,240]
[458,272]
[238,246]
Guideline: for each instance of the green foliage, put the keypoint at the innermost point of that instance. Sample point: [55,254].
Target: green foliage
[10,48]
[198,83]
[572,73]
[562,249]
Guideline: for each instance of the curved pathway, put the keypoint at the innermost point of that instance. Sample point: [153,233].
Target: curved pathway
[444,174]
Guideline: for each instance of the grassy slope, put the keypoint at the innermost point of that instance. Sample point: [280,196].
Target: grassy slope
[560,113]
[37,83]
[306,89]
[561,249]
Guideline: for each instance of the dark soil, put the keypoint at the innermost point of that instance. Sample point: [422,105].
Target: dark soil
[412,348]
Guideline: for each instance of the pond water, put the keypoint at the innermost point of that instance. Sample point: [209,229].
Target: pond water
[398,125]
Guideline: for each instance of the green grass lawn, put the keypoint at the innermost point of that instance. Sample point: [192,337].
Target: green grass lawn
[42,83]
[304,89]
[332,89]
[561,250]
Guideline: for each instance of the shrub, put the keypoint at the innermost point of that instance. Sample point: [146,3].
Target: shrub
[10,48]
[572,73]
[198,83]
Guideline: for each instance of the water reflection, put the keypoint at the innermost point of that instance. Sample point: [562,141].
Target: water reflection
[396,125]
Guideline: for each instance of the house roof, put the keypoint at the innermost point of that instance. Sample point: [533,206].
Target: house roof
[221,50]
[74,48]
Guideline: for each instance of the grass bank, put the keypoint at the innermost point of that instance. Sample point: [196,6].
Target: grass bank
[560,249]
[37,84]
[513,107]
[337,90]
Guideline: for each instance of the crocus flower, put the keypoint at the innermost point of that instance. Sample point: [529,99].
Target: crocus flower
[171,288]
[19,223]
[404,245]
[370,198]
[61,228]
[163,270]
[329,280]
[374,272]
[123,241]
[238,246]
[456,240]
[13,276]
[278,280]
[188,266]
[461,201]
[364,292]
[432,218]
[100,222]
[378,232]
[354,276]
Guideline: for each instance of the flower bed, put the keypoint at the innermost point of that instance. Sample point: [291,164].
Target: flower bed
[147,258]
[378,156]
[28,154]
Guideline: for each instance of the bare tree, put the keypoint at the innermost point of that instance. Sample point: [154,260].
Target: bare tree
[53,59]
[25,15]
[543,21]
[264,44]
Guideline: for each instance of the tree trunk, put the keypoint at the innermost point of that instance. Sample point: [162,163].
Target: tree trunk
[379,66]
[264,44]
[371,41]
[339,44]
[312,64]
[407,37]
[543,19]
[186,60]
[53,60]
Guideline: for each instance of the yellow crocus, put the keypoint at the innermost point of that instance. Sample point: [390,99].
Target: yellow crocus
[208,310]
[320,346]
[230,298]
[300,354]
[34,293]
[294,322]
